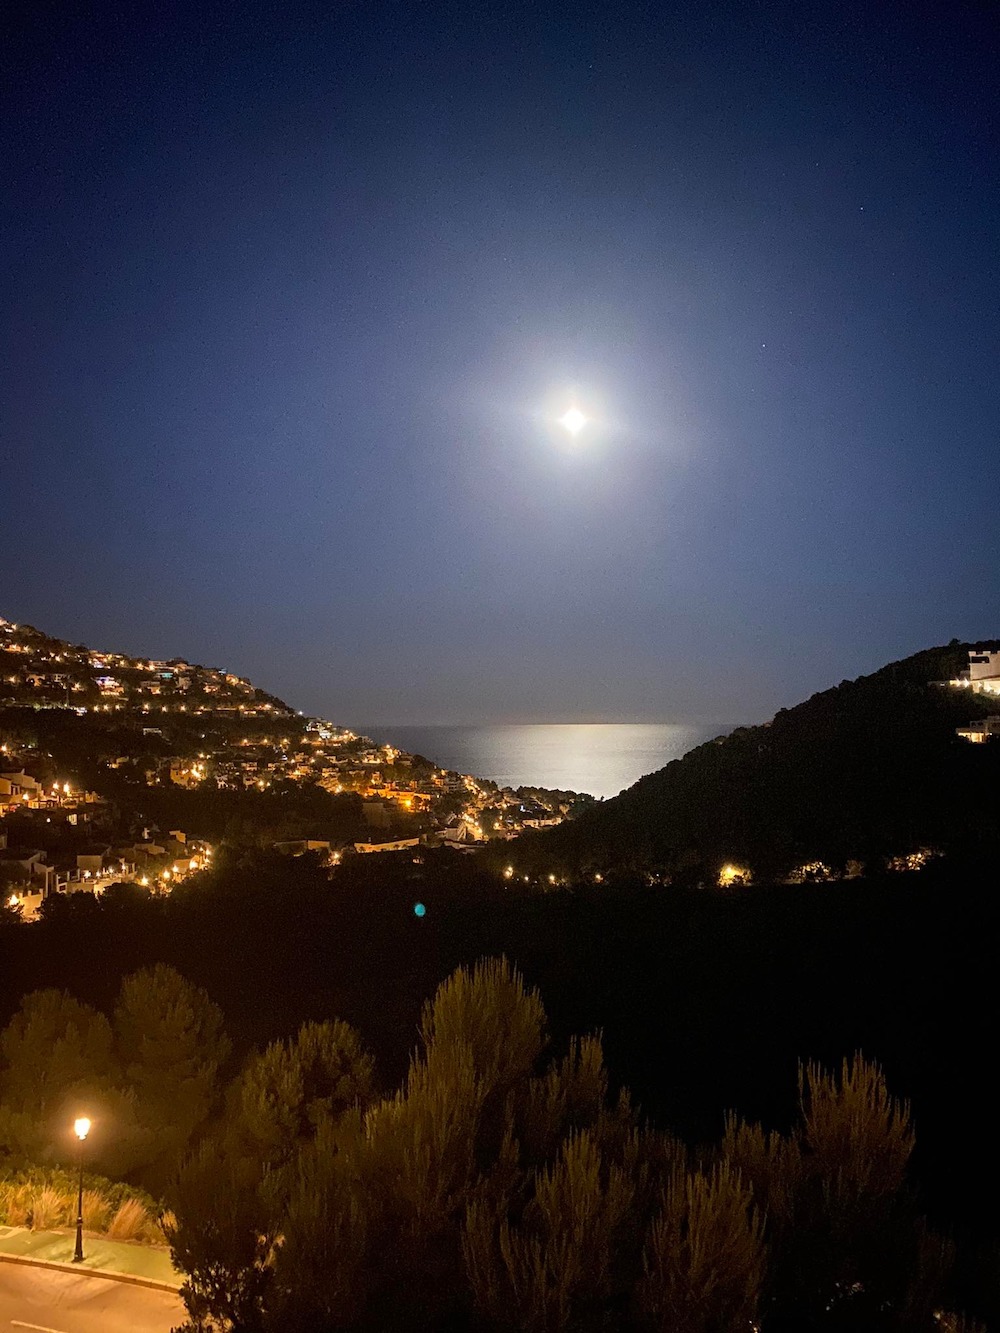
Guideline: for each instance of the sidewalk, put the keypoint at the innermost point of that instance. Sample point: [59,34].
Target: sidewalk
[99,1254]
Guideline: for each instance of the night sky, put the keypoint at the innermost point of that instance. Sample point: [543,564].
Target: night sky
[293,296]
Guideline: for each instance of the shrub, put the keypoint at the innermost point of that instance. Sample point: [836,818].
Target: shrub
[490,1014]
[159,1228]
[859,1137]
[770,1164]
[959,1323]
[50,1208]
[129,1222]
[102,1198]
[96,1210]
[15,1203]
[553,1269]
[705,1256]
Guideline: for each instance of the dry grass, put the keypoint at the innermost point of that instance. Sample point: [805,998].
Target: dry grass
[130,1221]
[96,1211]
[49,1209]
[15,1204]
[50,1205]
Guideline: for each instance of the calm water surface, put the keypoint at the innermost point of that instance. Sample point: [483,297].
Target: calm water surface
[600,758]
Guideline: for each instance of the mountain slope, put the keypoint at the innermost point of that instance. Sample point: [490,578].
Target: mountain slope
[867,770]
[41,671]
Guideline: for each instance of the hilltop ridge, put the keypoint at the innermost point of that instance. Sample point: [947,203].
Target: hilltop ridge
[869,772]
[40,670]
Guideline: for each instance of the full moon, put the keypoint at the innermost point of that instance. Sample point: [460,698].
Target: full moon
[573,421]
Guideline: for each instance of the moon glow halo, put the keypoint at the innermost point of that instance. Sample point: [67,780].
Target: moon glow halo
[573,421]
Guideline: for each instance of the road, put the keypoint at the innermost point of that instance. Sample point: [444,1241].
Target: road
[42,1300]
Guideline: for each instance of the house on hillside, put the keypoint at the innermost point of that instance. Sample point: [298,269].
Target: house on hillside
[457,833]
[377,814]
[984,671]
[984,729]
[91,860]
[18,787]
[396,845]
[21,864]
[299,846]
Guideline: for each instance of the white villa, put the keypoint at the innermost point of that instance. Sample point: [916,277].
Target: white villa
[982,677]
[984,672]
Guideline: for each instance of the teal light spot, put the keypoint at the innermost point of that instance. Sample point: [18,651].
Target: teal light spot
[419,909]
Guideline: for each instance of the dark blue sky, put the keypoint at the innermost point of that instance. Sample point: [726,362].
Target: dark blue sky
[292,293]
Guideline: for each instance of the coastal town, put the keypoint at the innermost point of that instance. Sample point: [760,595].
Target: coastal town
[123,769]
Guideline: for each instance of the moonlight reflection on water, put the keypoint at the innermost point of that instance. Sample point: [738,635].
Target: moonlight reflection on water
[600,758]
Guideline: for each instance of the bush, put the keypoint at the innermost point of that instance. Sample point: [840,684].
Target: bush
[130,1221]
[15,1203]
[705,1256]
[555,1268]
[47,1199]
[50,1208]
[160,1227]
[96,1211]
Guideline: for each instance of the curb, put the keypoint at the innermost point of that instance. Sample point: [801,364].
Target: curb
[132,1279]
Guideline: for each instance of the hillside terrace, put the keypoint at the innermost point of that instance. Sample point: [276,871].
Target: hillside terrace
[171,725]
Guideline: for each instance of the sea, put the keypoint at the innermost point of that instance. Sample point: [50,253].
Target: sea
[600,758]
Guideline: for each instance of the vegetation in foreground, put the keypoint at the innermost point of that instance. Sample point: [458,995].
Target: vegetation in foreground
[504,1185]
[501,1188]
[46,1199]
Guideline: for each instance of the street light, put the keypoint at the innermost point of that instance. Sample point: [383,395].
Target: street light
[81,1128]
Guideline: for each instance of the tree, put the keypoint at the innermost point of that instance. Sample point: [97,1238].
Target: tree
[172,1048]
[705,1255]
[11,913]
[331,1232]
[59,1063]
[491,1015]
[848,1248]
[220,1236]
[124,896]
[424,1148]
[292,1087]
[278,1156]
[554,1267]
[490,1193]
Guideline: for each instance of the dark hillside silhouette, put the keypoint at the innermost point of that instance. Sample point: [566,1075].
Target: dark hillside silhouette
[868,770]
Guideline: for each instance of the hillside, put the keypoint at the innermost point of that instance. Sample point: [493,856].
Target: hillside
[44,672]
[100,750]
[868,771]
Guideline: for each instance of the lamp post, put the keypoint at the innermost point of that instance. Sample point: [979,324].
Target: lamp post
[82,1129]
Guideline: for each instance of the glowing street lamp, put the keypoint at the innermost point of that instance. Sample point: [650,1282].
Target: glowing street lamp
[81,1128]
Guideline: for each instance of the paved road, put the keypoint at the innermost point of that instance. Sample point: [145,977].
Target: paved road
[33,1299]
